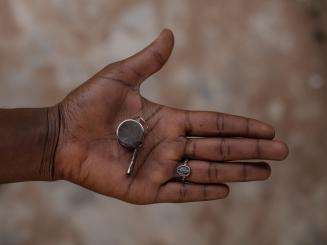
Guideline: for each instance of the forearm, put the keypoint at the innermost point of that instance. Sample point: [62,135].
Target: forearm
[28,143]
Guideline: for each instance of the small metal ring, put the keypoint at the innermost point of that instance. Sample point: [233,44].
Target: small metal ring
[183,170]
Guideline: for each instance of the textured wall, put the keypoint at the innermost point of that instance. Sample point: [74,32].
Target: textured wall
[264,59]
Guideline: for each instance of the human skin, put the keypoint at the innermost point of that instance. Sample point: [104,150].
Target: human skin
[75,140]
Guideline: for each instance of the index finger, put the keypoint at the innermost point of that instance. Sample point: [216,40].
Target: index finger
[208,123]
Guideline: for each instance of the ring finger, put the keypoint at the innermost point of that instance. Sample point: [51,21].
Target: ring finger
[213,172]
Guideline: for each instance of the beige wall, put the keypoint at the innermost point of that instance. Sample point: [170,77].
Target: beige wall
[264,59]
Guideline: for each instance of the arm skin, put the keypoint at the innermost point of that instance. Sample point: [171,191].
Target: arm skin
[29,140]
[75,140]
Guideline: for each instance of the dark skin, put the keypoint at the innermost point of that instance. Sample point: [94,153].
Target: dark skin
[75,140]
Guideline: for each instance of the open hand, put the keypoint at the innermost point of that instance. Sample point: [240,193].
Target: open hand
[89,155]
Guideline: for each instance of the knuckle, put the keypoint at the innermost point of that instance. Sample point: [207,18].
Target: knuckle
[182,192]
[190,148]
[224,149]
[220,123]
[213,175]
[187,122]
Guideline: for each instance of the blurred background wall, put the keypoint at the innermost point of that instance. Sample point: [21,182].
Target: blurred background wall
[263,59]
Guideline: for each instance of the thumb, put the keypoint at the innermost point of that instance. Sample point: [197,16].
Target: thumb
[135,69]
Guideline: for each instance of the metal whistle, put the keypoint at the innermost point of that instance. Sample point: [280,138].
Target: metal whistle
[130,134]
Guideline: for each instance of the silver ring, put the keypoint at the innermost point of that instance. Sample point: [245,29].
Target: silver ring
[183,170]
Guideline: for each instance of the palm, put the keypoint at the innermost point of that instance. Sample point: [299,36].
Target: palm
[88,153]
[100,162]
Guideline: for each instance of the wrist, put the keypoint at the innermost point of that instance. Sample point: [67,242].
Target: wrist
[47,166]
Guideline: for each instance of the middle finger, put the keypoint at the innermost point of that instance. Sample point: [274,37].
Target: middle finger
[213,172]
[231,149]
